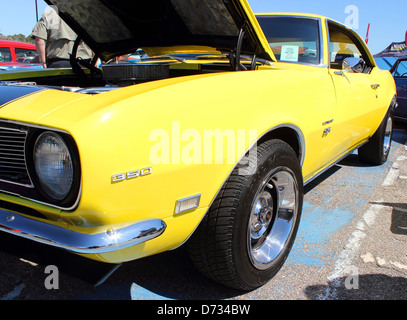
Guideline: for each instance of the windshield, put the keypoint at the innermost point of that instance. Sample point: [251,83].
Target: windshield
[293,39]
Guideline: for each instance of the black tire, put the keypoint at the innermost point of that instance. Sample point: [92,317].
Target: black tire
[247,213]
[377,150]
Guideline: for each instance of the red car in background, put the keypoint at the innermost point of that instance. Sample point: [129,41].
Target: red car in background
[17,53]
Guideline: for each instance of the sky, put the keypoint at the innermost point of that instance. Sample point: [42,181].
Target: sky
[388,19]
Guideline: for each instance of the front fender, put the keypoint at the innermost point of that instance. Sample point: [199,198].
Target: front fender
[173,126]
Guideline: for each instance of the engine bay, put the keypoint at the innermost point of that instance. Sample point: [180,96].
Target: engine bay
[90,78]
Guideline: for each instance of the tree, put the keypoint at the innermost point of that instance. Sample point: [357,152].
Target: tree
[16,37]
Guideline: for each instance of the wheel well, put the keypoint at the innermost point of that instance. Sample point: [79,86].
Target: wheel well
[289,136]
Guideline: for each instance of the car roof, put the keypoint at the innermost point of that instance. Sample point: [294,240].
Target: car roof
[23,45]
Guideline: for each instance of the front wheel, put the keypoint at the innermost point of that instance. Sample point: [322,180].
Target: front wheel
[249,230]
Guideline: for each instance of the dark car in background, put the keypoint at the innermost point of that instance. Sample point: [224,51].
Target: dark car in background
[399,72]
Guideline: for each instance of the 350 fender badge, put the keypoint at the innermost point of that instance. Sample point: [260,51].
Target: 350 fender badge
[132,174]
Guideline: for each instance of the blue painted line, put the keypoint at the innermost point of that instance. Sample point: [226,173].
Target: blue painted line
[317,227]
[139,293]
[320,223]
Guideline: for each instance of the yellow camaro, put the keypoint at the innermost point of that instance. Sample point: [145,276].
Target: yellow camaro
[209,140]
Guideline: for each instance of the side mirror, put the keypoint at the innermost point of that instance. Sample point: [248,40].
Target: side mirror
[353,65]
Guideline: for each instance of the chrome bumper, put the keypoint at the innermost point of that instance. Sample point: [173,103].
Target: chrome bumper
[111,240]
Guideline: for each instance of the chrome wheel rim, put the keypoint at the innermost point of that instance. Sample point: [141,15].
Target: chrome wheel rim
[272,218]
[387,135]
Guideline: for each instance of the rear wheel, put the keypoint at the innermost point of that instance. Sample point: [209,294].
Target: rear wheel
[249,230]
[377,150]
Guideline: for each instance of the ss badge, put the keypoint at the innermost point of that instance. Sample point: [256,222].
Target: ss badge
[132,174]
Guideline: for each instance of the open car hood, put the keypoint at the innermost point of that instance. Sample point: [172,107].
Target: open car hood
[115,27]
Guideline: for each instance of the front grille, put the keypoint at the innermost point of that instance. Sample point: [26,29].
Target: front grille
[12,156]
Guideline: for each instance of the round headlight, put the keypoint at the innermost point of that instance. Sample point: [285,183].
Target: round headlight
[53,165]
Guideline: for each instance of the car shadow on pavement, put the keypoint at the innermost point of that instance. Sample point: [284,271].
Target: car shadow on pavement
[352,160]
[363,287]
[167,276]
[170,275]
[321,178]
[398,218]
[399,133]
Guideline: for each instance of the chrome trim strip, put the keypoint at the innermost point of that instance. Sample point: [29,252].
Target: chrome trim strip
[25,124]
[30,186]
[346,154]
[329,42]
[12,129]
[300,136]
[54,205]
[55,236]
[365,50]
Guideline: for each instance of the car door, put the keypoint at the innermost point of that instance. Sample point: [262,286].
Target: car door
[399,72]
[357,93]
[297,43]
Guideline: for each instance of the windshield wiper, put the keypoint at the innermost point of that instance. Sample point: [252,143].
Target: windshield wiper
[164,57]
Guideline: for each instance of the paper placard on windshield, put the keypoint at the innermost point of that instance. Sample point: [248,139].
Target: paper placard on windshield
[289,53]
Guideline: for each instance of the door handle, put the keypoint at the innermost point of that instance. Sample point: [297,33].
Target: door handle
[375,86]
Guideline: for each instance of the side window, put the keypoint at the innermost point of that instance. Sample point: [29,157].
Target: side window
[293,39]
[342,45]
[25,55]
[401,71]
[5,55]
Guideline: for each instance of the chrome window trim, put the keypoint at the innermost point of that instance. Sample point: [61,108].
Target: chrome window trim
[329,41]
[24,124]
[321,38]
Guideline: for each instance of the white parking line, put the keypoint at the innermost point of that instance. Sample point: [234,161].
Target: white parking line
[344,263]
[345,259]
[391,177]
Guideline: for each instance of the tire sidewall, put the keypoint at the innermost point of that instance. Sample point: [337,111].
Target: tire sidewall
[383,156]
[276,157]
[373,151]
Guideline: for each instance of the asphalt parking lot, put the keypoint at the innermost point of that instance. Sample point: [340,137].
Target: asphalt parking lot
[351,246]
